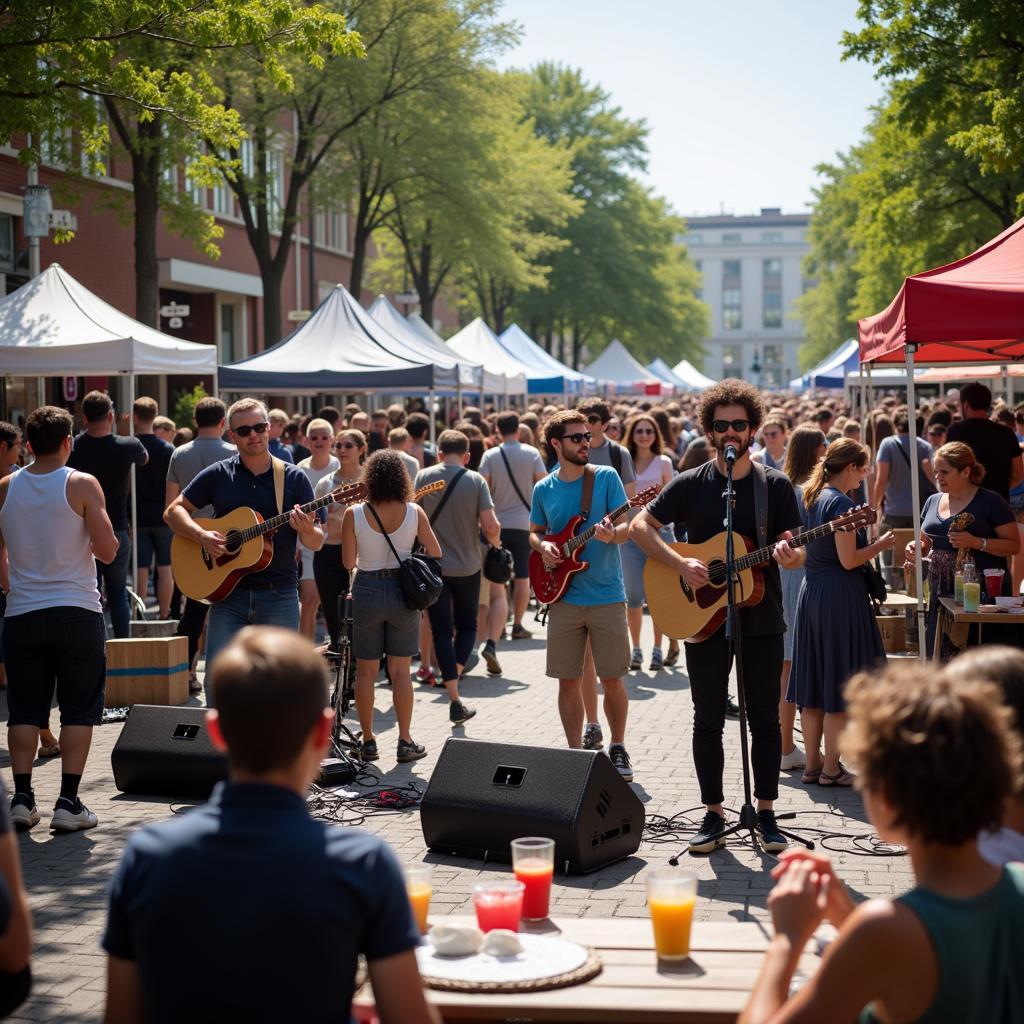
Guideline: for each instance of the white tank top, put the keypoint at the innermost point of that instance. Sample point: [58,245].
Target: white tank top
[48,546]
[372,550]
[652,473]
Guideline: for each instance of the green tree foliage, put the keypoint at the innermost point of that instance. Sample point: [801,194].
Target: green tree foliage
[185,403]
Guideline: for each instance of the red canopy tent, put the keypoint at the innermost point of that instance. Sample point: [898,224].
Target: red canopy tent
[965,312]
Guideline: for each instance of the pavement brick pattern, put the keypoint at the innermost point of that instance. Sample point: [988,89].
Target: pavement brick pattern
[67,875]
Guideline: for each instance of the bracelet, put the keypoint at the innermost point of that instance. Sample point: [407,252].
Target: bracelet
[984,544]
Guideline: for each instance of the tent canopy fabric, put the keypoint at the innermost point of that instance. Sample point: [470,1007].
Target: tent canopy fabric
[693,378]
[664,373]
[617,366]
[832,370]
[965,311]
[477,342]
[339,348]
[545,375]
[54,325]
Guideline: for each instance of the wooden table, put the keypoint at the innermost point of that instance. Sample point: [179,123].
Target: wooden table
[711,987]
[986,615]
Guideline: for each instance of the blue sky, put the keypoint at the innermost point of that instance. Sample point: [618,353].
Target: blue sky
[742,98]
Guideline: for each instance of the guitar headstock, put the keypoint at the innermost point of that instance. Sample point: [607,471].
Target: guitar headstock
[437,485]
[349,493]
[856,518]
[648,494]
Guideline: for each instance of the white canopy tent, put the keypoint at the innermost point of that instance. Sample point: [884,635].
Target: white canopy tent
[617,366]
[478,343]
[686,371]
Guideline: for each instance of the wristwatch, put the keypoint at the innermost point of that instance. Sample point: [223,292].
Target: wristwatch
[984,543]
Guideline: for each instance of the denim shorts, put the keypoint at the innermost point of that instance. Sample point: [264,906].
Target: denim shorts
[518,542]
[55,649]
[382,623]
[152,539]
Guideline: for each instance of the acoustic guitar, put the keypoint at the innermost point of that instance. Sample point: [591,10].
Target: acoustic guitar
[551,584]
[683,613]
[249,547]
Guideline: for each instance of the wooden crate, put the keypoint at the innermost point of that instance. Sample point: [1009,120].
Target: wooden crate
[147,671]
[893,630]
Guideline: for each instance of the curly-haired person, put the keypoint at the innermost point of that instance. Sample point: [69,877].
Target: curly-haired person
[951,948]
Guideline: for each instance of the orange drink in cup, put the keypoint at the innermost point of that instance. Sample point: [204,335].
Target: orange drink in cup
[671,897]
[420,888]
[533,862]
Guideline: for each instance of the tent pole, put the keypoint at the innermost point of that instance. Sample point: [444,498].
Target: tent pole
[458,398]
[135,508]
[430,414]
[915,495]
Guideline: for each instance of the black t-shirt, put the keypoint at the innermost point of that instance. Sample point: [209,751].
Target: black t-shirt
[110,459]
[695,497]
[994,446]
[151,480]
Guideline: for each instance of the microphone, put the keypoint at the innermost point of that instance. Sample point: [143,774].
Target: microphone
[730,454]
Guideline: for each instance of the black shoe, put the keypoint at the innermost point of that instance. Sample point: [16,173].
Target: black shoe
[772,840]
[459,712]
[490,656]
[709,838]
[732,709]
[410,751]
[368,751]
[619,758]
[673,654]
[521,633]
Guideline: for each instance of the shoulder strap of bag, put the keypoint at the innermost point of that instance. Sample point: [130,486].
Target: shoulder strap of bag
[760,502]
[447,494]
[616,456]
[587,494]
[387,536]
[512,479]
[278,465]
[923,481]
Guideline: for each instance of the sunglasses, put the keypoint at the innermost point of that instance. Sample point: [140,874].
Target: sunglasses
[579,438]
[721,426]
[594,419]
[345,444]
[319,437]
[260,428]
[643,432]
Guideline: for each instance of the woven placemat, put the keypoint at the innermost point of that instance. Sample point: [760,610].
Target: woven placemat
[590,968]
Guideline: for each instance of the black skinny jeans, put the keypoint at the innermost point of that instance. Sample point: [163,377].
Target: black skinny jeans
[708,665]
[332,580]
[191,623]
[454,612]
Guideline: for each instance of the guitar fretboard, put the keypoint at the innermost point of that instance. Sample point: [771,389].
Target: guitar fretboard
[277,522]
[763,555]
[575,543]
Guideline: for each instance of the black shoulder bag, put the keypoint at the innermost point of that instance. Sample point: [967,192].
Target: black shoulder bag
[418,575]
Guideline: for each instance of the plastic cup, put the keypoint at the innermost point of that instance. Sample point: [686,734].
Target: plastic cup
[958,588]
[498,905]
[972,596]
[994,582]
[671,897]
[419,885]
[533,861]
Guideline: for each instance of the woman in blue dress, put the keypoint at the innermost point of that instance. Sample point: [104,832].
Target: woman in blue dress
[836,632]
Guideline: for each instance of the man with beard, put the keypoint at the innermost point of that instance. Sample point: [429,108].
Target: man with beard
[731,412]
[594,606]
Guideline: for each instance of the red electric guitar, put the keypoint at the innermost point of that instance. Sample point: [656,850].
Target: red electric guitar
[551,584]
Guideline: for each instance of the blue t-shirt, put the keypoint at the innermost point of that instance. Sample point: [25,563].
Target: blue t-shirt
[268,907]
[278,448]
[229,485]
[555,502]
[990,510]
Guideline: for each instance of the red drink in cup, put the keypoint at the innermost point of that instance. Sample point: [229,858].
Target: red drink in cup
[994,582]
[533,861]
[498,905]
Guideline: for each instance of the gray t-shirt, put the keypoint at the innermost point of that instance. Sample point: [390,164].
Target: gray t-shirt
[603,457]
[191,459]
[898,500]
[525,463]
[411,463]
[458,527]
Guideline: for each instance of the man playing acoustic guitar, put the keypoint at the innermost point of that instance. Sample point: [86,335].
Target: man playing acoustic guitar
[594,605]
[731,412]
[269,596]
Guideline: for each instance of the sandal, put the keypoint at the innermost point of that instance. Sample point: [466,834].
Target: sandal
[53,750]
[811,776]
[841,778]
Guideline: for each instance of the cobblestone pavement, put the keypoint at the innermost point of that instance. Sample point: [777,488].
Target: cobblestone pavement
[67,875]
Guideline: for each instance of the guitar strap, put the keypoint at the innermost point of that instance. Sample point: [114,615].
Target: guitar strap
[278,465]
[760,502]
[587,494]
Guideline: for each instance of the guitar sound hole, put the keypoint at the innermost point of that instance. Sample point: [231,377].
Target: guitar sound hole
[233,541]
[716,572]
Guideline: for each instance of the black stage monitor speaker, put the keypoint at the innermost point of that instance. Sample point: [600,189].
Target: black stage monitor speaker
[481,796]
[167,752]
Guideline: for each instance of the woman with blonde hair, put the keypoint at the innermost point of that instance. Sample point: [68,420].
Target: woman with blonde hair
[836,634]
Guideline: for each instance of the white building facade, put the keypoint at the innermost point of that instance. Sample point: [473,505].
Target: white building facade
[752,274]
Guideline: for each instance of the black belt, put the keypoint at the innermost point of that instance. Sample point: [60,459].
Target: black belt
[379,573]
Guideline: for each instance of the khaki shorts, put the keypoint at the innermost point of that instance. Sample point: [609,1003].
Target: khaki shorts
[569,628]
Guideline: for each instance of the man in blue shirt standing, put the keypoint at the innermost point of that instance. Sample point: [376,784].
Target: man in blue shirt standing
[273,906]
[594,605]
[269,596]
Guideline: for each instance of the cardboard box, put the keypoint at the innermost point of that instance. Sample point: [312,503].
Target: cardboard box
[152,627]
[147,671]
[893,630]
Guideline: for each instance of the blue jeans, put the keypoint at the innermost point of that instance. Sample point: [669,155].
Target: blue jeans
[115,578]
[277,606]
[633,562]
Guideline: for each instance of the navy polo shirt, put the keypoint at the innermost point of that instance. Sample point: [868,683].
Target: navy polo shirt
[271,906]
[229,485]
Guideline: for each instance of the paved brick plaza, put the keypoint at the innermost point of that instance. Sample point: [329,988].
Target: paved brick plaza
[67,876]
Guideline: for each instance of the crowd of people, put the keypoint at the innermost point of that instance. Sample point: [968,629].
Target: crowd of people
[508,480]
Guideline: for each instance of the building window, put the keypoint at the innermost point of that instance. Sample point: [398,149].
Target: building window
[773,377]
[772,293]
[6,243]
[223,200]
[772,355]
[732,295]
[771,237]
[698,265]
[694,239]
[228,335]
[332,230]
[732,360]
[732,238]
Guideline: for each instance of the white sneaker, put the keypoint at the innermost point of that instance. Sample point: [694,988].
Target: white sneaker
[24,813]
[71,817]
[794,759]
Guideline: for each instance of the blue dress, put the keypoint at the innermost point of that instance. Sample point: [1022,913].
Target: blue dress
[836,633]
[792,581]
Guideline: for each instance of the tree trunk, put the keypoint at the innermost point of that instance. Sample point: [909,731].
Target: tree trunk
[272,276]
[577,345]
[360,243]
[146,202]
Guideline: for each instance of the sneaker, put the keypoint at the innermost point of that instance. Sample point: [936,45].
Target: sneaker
[471,663]
[593,738]
[796,758]
[490,656]
[772,840]
[656,660]
[673,654]
[368,750]
[410,751]
[459,712]
[71,816]
[194,686]
[426,677]
[520,633]
[732,709]
[709,837]
[24,813]
[620,759]
[636,662]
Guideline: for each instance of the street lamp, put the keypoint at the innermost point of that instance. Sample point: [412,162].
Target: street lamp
[755,366]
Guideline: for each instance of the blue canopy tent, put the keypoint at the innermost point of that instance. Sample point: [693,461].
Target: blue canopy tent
[691,376]
[664,372]
[545,375]
[831,372]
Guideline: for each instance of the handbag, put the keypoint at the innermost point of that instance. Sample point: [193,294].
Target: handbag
[498,565]
[419,576]
[875,585]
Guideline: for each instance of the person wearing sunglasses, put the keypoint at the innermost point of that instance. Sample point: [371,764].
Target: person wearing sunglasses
[731,412]
[593,611]
[268,596]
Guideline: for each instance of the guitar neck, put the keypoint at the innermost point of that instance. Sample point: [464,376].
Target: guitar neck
[278,521]
[763,555]
[575,543]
